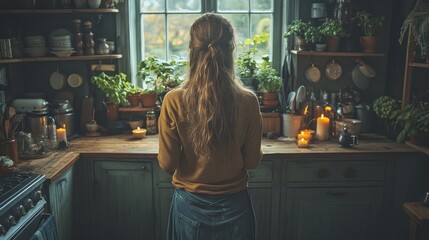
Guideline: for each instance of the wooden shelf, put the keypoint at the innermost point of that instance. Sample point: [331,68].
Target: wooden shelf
[56,11]
[420,65]
[424,149]
[336,54]
[137,109]
[71,58]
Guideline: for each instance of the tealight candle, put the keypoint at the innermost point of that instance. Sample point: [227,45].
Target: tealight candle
[322,129]
[305,135]
[62,134]
[302,143]
[310,132]
[139,132]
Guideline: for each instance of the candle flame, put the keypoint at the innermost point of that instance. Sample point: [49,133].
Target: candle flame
[322,116]
[302,139]
[328,108]
[64,125]
[138,128]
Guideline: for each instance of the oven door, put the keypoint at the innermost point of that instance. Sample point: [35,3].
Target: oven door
[30,224]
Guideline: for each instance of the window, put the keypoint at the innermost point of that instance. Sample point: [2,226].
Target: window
[164,24]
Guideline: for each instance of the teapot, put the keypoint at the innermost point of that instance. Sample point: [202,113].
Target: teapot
[347,140]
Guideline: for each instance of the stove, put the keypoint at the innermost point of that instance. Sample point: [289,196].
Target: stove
[21,204]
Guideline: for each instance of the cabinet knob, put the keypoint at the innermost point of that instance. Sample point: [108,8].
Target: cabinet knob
[323,173]
[29,204]
[20,211]
[350,173]
[11,221]
[38,196]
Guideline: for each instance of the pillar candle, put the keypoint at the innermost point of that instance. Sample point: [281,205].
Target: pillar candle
[322,129]
[61,135]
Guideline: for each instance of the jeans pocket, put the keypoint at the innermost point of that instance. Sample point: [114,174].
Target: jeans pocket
[187,229]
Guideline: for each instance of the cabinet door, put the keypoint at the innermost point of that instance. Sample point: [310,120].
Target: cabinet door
[333,213]
[165,195]
[60,199]
[123,200]
[261,199]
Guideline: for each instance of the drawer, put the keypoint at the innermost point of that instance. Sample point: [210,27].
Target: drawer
[336,171]
[263,173]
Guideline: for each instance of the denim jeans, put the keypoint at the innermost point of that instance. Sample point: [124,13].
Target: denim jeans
[211,217]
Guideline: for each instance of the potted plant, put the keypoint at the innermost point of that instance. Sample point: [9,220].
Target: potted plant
[246,60]
[414,121]
[134,95]
[299,29]
[417,22]
[385,107]
[115,92]
[333,31]
[369,24]
[270,83]
[158,78]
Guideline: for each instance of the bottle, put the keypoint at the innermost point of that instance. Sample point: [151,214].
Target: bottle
[78,41]
[88,39]
[309,118]
[151,123]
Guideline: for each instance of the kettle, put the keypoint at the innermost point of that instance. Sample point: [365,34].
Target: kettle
[347,140]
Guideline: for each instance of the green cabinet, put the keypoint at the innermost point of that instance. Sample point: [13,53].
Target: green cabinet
[263,188]
[61,203]
[123,200]
[331,199]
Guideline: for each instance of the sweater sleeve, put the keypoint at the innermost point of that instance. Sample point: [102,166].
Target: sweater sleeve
[170,146]
[252,153]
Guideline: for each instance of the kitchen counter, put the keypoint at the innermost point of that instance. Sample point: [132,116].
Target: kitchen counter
[124,146]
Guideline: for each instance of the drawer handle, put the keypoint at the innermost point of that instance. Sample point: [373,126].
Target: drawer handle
[323,173]
[336,193]
[350,173]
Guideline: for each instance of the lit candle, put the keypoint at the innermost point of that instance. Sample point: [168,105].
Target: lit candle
[139,132]
[310,132]
[305,135]
[302,143]
[322,129]
[62,134]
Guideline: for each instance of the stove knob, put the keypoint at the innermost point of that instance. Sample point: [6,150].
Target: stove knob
[37,196]
[29,204]
[2,230]
[11,221]
[21,211]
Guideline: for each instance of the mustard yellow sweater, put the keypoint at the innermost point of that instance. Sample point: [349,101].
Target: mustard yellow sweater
[225,175]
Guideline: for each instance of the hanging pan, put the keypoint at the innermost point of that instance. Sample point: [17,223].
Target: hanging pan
[312,73]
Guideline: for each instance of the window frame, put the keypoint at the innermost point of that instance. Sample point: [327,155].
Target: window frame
[134,19]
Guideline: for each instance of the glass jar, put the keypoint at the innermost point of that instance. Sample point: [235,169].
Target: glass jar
[102,47]
[151,123]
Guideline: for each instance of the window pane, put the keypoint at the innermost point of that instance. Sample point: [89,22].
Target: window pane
[232,5]
[261,23]
[262,5]
[240,22]
[184,5]
[152,5]
[178,33]
[153,35]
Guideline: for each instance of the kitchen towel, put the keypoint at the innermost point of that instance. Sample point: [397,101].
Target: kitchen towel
[47,229]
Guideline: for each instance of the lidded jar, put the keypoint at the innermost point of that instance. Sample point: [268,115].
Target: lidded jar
[151,123]
[102,48]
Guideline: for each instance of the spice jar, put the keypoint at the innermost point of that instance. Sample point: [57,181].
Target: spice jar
[151,123]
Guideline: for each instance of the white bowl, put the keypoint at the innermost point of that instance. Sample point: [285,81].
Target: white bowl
[63,54]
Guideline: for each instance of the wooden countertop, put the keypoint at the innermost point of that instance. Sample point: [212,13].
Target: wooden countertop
[124,146]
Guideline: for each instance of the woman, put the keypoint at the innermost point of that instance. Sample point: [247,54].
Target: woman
[209,135]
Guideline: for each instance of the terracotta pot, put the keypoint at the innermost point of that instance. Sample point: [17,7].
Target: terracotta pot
[112,112]
[270,99]
[148,99]
[134,100]
[9,147]
[332,44]
[369,44]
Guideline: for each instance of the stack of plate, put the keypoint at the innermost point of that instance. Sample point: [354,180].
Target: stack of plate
[60,42]
[36,46]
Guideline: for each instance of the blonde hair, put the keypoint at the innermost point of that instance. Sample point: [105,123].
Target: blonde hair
[211,88]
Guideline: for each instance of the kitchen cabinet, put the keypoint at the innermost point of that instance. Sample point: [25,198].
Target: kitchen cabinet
[328,199]
[123,200]
[61,203]
[263,188]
